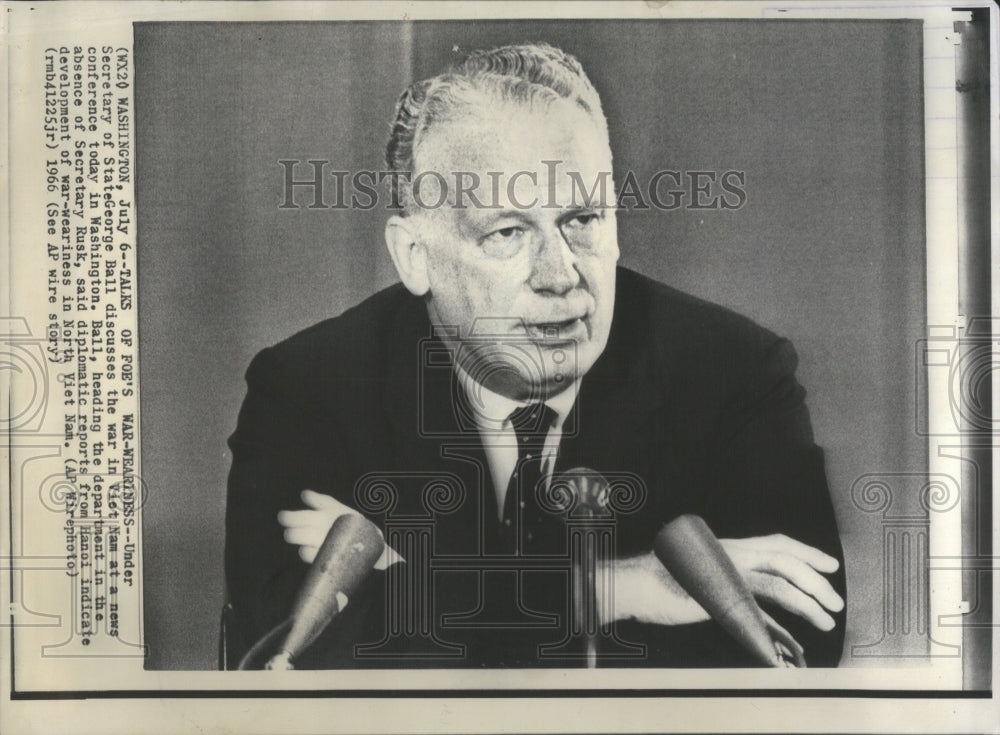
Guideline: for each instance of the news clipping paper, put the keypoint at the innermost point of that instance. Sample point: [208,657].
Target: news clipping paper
[193,190]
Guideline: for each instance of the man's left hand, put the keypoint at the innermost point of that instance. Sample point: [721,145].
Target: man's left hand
[776,568]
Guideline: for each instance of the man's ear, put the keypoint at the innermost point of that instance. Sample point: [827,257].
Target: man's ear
[408,255]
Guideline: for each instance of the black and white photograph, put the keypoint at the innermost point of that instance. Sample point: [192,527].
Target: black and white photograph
[718,333]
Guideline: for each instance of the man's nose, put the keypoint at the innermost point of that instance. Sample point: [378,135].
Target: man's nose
[554,268]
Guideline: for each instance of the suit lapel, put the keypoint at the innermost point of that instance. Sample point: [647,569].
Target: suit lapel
[430,435]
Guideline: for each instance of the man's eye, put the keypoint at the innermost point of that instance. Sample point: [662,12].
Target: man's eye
[504,242]
[584,219]
[505,233]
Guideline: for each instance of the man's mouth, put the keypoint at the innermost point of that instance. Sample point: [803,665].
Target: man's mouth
[572,329]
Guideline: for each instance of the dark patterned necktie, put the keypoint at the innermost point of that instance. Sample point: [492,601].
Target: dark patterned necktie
[531,425]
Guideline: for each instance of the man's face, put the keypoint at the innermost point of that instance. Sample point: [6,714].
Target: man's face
[522,263]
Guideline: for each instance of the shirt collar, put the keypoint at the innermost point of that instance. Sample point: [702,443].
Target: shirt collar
[492,409]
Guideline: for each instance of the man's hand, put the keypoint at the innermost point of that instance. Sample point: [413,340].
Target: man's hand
[307,529]
[788,573]
[777,568]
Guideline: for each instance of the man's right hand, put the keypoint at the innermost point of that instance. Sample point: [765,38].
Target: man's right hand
[307,529]
[777,569]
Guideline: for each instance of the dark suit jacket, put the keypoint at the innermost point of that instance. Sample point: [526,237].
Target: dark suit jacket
[697,402]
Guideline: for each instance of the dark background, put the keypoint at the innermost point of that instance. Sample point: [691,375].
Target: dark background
[824,117]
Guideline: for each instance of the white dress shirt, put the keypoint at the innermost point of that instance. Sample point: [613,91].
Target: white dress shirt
[492,413]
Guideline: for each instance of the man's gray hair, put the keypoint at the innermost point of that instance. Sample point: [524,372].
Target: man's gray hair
[534,73]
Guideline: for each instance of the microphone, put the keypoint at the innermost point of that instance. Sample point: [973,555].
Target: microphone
[693,555]
[583,494]
[344,561]
[581,491]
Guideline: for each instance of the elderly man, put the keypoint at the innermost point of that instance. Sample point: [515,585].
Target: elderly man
[515,349]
